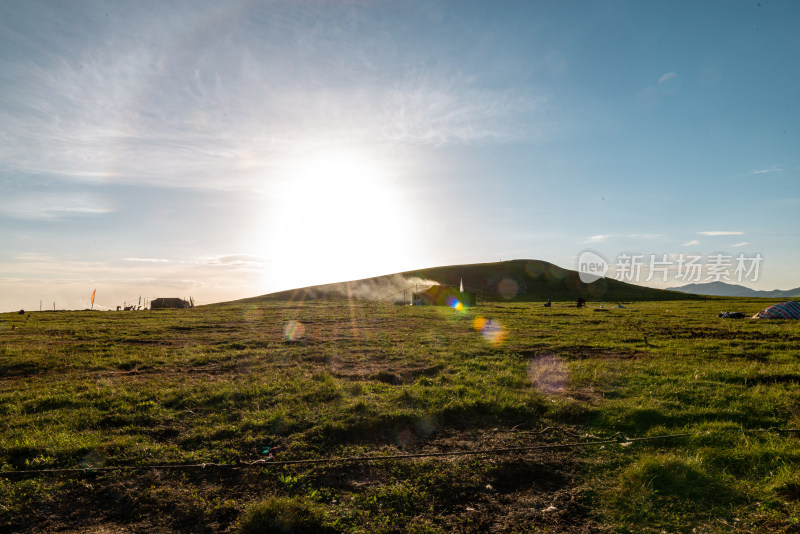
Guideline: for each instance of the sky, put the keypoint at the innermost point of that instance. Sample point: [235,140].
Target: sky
[223,150]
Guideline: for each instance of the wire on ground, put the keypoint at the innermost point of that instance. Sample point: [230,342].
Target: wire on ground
[619,440]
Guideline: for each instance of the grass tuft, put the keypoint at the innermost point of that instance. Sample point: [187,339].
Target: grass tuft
[283,515]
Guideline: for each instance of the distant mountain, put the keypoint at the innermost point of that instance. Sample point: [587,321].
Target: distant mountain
[515,280]
[721,289]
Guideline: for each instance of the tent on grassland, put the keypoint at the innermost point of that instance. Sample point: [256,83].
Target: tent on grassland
[784,310]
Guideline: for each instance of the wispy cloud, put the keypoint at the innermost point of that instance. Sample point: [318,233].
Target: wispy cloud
[645,236]
[599,237]
[237,260]
[147,260]
[767,171]
[743,243]
[52,205]
[154,111]
[720,232]
[691,243]
[27,257]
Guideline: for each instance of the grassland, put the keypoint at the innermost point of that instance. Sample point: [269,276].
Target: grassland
[228,384]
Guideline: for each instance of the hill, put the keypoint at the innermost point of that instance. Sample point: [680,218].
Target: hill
[515,280]
[722,289]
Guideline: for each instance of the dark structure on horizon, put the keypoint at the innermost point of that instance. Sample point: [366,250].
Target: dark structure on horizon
[443,296]
[167,303]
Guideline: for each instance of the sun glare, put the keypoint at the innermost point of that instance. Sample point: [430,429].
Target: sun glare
[335,216]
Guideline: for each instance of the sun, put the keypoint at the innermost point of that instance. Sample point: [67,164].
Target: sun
[335,215]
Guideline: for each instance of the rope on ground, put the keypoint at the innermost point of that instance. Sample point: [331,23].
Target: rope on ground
[340,459]
[774,429]
[620,439]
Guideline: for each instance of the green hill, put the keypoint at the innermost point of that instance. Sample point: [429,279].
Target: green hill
[535,280]
[515,280]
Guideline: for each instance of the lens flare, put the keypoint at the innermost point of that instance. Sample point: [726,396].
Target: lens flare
[403,436]
[454,303]
[549,373]
[425,426]
[294,330]
[534,269]
[253,314]
[95,458]
[508,288]
[554,274]
[491,329]
[669,84]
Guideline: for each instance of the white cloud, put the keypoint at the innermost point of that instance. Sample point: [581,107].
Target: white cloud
[719,232]
[236,260]
[767,171]
[599,237]
[147,260]
[743,243]
[691,243]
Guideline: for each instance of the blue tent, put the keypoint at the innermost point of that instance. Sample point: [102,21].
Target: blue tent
[784,310]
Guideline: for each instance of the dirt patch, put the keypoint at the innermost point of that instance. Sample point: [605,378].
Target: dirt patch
[146,341]
[580,352]
[537,490]
[606,355]
[381,371]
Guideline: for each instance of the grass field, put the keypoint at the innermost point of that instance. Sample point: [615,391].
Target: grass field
[228,384]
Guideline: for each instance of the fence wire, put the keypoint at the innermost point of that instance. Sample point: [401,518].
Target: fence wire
[619,439]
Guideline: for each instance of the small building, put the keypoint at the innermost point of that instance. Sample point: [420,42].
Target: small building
[443,296]
[167,303]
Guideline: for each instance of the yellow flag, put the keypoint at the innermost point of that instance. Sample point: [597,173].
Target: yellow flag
[93,292]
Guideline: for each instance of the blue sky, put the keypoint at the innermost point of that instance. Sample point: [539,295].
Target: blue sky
[228,149]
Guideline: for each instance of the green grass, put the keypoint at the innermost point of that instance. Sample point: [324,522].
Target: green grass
[223,384]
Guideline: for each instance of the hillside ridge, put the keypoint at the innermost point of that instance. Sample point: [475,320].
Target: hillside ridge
[523,280]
